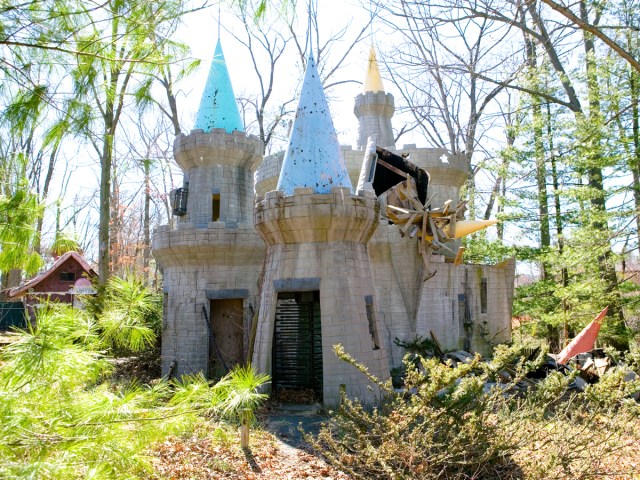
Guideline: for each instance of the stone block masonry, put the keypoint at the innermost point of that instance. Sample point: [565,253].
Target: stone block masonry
[330,256]
[203,258]
[218,163]
[327,242]
[374,112]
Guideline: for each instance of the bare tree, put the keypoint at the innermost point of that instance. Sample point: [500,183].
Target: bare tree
[441,67]
[265,42]
[274,40]
[593,28]
[149,149]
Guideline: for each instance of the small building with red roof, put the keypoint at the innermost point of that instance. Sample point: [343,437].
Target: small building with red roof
[69,276]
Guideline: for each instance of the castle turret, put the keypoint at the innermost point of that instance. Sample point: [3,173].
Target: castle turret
[218,107]
[211,257]
[313,158]
[374,108]
[318,289]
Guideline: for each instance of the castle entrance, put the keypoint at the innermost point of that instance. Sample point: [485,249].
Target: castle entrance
[226,339]
[297,348]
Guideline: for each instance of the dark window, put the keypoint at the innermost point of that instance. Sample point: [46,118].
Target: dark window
[373,328]
[215,207]
[180,201]
[67,277]
[483,295]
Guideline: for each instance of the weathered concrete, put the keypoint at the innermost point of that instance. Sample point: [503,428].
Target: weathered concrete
[310,239]
[205,260]
[324,236]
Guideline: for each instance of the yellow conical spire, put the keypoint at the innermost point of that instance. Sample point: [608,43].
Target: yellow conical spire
[373,80]
[466,227]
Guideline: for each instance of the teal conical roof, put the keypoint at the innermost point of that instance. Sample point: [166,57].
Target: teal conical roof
[218,107]
[313,157]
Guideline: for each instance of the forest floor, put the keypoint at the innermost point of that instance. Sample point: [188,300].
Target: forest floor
[277,447]
[277,450]
[214,452]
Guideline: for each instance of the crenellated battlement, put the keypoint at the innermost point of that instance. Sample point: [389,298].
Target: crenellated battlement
[306,216]
[217,147]
[274,261]
[374,111]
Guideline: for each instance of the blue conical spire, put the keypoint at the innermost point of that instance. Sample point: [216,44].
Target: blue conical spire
[218,107]
[313,157]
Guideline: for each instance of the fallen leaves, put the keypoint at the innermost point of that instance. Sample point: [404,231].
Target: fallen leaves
[216,453]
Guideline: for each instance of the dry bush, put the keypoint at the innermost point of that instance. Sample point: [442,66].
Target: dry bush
[455,423]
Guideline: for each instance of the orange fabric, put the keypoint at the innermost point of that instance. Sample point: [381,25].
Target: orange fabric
[584,341]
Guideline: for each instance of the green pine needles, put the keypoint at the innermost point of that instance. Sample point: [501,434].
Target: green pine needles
[61,417]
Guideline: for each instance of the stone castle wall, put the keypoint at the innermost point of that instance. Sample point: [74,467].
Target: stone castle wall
[331,243]
[218,163]
[410,307]
[374,112]
[201,264]
[206,260]
[319,242]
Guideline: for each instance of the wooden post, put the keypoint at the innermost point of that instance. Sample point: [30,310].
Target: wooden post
[244,428]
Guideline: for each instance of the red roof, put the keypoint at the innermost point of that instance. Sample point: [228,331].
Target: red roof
[24,288]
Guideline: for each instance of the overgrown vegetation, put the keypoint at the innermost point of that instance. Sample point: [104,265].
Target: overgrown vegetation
[459,423]
[61,417]
[128,313]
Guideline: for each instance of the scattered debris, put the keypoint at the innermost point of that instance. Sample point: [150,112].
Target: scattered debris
[454,358]
[409,208]
[590,366]
[302,396]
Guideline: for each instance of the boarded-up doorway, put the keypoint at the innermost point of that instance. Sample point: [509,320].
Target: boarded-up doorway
[227,339]
[297,347]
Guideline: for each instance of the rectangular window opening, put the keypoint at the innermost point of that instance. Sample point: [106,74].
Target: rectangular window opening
[67,277]
[373,328]
[215,207]
[483,295]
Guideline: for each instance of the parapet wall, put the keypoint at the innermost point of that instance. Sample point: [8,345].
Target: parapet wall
[447,172]
[374,112]
[222,164]
[318,242]
[311,217]
[200,149]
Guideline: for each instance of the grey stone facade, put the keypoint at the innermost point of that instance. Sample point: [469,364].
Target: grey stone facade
[369,278]
[374,112]
[205,260]
[324,237]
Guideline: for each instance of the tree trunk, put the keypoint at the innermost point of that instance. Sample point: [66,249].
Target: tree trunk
[104,269]
[559,225]
[594,171]
[146,254]
[45,193]
[541,181]
[635,158]
[539,152]
[167,82]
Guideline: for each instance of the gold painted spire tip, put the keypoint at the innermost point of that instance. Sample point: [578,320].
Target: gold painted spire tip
[373,80]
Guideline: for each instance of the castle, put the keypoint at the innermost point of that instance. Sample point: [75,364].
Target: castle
[275,260]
